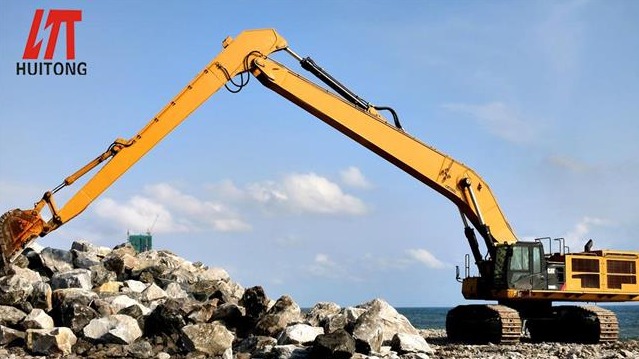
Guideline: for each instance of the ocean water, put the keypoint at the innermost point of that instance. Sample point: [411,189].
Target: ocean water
[435,318]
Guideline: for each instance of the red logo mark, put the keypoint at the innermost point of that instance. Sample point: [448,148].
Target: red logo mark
[55,19]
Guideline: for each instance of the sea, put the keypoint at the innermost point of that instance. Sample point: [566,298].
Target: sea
[435,318]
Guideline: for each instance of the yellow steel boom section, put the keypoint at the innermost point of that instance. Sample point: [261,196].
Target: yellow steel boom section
[430,166]
[232,61]
[249,52]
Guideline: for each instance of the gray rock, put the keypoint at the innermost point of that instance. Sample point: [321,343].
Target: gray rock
[337,321]
[117,329]
[320,312]
[202,312]
[85,259]
[290,351]
[210,338]
[37,319]
[387,317]
[14,289]
[167,318]
[135,285]
[74,316]
[175,291]
[368,334]
[30,275]
[230,314]
[82,246]
[122,301]
[55,260]
[41,296]
[410,343]
[282,314]
[214,273]
[255,301]
[299,334]
[10,336]
[140,349]
[10,316]
[338,345]
[72,295]
[258,345]
[75,278]
[152,293]
[100,275]
[50,341]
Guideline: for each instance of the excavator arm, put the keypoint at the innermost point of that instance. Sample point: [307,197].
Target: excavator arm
[346,112]
[18,227]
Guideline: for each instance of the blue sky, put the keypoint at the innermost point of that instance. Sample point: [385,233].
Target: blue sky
[541,98]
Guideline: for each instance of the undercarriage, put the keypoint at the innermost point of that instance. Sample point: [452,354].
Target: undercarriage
[501,324]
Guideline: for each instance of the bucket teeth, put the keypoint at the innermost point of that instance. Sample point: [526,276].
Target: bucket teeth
[18,228]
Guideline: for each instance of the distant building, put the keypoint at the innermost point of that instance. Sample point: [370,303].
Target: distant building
[141,242]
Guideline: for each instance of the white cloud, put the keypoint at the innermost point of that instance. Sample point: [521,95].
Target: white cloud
[175,212]
[138,214]
[499,119]
[353,177]
[423,256]
[577,237]
[325,267]
[307,193]
[568,163]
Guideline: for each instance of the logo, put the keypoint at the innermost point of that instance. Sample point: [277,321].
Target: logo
[55,21]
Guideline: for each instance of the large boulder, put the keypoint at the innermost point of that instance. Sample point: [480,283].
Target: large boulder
[321,312]
[167,318]
[410,343]
[210,338]
[153,293]
[255,301]
[85,259]
[368,335]
[9,336]
[50,341]
[258,345]
[337,345]
[14,289]
[11,316]
[387,317]
[117,329]
[299,334]
[50,261]
[175,291]
[120,302]
[71,307]
[75,316]
[41,296]
[37,319]
[75,278]
[283,313]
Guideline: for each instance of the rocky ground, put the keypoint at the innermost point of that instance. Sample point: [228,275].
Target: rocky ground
[98,302]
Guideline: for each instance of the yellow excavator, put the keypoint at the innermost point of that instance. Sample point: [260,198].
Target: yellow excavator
[520,276]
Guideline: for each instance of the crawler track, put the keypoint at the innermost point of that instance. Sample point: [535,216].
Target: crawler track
[575,324]
[477,324]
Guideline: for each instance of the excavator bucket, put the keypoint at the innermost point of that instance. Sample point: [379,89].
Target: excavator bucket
[18,228]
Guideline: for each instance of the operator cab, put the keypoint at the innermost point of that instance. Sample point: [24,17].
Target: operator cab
[524,267]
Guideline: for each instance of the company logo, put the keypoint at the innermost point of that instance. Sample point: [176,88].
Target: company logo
[55,20]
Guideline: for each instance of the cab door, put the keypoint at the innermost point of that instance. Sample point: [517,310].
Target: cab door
[526,267]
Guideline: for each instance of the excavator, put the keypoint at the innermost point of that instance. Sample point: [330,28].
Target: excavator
[519,276]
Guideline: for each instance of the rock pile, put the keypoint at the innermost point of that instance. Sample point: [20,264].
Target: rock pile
[99,302]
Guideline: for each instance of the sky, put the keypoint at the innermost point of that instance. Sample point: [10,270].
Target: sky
[541,98]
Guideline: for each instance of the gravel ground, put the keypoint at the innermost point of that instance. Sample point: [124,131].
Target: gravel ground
[438,342]
[442,349]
